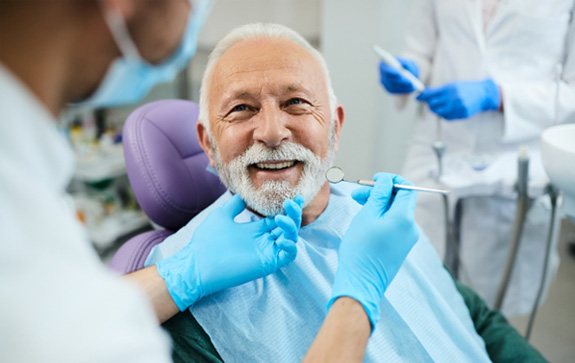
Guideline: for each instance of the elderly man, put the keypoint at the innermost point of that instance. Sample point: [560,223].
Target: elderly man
[270,126]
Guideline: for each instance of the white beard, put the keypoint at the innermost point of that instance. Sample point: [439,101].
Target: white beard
[268,199]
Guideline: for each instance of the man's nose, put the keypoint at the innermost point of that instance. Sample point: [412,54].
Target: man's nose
[271,128]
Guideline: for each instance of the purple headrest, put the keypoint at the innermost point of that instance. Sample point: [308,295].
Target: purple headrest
[165,164]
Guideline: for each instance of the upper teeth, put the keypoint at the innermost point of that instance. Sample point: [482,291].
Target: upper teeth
[282,165]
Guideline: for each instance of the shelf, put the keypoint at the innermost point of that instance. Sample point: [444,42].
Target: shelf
[101,165]
[105,233]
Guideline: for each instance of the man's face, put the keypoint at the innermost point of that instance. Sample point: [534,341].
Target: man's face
[157,27]
[273,134]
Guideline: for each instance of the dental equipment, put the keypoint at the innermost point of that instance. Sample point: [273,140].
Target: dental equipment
[554,194]
[394,63]
[523,205]
[335,175]
[439,149]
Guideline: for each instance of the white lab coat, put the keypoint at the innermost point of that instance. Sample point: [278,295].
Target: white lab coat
[528,48]
[58,302]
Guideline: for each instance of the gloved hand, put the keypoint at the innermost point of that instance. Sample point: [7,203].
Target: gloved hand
[393,81]
[461,100]
[224,254]
[376,244]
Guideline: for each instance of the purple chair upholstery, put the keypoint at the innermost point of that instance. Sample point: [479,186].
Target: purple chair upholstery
[167,171]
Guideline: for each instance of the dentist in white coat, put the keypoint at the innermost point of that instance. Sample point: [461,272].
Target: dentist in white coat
[498,72]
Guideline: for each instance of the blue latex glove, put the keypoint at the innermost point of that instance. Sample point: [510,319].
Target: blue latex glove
[376,244]
[224,254]
[461,100]
[393,81]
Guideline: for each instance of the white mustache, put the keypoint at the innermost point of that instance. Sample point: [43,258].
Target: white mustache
[287,151]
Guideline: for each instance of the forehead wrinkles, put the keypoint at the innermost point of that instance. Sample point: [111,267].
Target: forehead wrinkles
[274,79]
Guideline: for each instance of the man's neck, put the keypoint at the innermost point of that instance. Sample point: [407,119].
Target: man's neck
[317,205]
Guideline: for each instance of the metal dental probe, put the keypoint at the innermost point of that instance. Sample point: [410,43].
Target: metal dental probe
[335,175]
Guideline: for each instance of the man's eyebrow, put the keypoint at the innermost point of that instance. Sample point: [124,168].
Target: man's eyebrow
[236,95]
[294,87]
[243,95]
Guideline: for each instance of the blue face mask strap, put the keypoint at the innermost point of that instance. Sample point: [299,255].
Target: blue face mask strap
[120,33]
[199,12]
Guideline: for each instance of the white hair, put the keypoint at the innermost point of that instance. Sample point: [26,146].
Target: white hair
[257,31]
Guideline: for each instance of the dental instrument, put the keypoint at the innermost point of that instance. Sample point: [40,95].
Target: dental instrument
[523,205]
[439,149]
[335,175]
[394,63]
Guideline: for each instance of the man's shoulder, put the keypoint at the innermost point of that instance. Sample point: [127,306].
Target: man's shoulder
[179,239]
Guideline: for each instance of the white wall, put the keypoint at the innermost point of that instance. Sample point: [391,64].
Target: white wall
[300,15]
[304,16]
[375,133]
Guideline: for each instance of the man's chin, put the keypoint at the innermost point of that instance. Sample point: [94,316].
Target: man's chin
[268,200]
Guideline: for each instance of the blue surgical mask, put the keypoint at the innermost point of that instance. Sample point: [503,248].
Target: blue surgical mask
[130,77]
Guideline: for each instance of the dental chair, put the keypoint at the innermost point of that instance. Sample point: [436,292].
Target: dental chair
[167,171]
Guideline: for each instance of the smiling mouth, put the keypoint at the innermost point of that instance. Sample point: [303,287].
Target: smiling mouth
[275,165]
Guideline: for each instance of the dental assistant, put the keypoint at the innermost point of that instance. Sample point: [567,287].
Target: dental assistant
[498,73]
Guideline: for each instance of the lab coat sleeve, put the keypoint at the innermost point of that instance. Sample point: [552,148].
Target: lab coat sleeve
[59,304]
[421,37]
[531,106]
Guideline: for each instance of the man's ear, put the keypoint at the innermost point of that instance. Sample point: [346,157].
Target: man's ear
[205,142]
[338,124]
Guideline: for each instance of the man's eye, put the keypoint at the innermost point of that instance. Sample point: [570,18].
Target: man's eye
[295,101]
[240,108]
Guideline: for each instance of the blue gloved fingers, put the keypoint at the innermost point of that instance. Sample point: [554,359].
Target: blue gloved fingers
[451,113]
[276,233]
[403,204]
[492,100]
[462,99]
[398,179]
[234,206]
[361,194]
[299,200]
[402,211]
[410,65]
[429,92]
[270,223]
[393,81]
[444,102]
[443,110]
[382,192]
[287,251]
[288,225]
[293,210]
[437,100]
[388,71]
[393,75]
